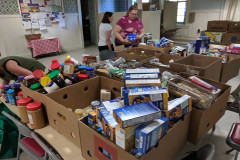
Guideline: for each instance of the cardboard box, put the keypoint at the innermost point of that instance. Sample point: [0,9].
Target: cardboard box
[163,50]
[234,26]
[163,58]
[76,96]
[204,66]
[217,26]
[231,68]
[136,54]
[229,38]
[168,147]
[215,37]
[203,120]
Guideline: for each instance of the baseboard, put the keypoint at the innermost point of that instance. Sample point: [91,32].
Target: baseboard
[72,48]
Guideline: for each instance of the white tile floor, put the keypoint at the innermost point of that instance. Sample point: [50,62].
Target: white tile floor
[217,138]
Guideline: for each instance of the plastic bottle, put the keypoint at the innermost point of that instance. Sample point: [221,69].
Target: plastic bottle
[5,89]
[30,80]
[45,81]
[82,69]
[74,78]
[51,87]
[20,79]
[68,58]
[55,65]
[36,87]
[35,115]
[22,108]
[11,96]
[90,72]
[17,89]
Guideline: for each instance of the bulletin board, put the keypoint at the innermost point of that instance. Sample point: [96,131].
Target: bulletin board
[38,14]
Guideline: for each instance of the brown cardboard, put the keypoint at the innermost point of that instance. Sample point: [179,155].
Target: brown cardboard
[218,26]
[204,66]
[229,38]
[168,147]
[231,68]
[135,54]
[164,50]
[203,120]
[76,96]
[234,26]
[119,48]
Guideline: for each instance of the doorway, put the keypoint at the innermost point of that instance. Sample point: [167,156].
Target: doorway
[86,23]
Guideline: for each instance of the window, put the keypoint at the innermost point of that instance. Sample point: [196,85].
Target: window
[181,11]
[145,1]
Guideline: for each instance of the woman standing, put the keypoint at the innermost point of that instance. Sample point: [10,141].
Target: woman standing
[106,33]
[129,24]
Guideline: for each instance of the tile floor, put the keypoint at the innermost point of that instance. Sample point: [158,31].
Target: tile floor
[217,138]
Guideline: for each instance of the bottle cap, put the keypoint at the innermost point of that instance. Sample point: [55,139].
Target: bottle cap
[67,58]
[81,68]
[24,101]
[54,74]
[34,106]
[90,69]
[10,91]
[16,85]
[20,94]
[35,86]
[45,81]
[82,76]
[38,73]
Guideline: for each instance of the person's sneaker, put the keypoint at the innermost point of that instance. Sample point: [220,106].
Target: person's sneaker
[204,153]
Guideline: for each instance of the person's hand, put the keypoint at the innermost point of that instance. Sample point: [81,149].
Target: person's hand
[127,42]
[138,37]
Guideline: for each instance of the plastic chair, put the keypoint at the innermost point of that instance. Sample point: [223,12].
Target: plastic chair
[30,143]
[233,139]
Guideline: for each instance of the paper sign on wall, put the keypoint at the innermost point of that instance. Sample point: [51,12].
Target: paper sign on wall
[42,24]
[27,24]
[26,1]
[35,25]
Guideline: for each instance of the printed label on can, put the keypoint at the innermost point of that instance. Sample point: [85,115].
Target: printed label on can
[30,119]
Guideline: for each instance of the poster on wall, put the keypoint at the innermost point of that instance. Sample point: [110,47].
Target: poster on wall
[38,14]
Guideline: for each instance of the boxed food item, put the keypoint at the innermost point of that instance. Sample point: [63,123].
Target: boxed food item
[157,95]
[105,95]
[92,117]
[215,37]
[147,135]
[125,137]
[177,108]
[133,115]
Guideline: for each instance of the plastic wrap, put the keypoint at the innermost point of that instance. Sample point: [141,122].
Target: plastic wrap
[180,86]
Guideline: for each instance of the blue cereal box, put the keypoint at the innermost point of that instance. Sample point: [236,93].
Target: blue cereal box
[106,122]
[92,117]
[178,108]
[133,115]
[148,135]
[157,95]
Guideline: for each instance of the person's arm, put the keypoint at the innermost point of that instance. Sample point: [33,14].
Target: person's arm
[141,34]
[117,34]
[108,40]
[15,69]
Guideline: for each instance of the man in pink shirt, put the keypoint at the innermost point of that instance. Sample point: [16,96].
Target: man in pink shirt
[129,24]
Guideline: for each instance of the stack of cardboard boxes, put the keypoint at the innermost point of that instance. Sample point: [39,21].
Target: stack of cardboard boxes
[225,32]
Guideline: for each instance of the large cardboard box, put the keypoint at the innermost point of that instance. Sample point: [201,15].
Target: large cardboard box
[229,38]
[218,26]
[136,54]
[215,37]
[203,120]
[168,147]
[204,66]
[231,68]
[234,27]
[77,96]
[164,50]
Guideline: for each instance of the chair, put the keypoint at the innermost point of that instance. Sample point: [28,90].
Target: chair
[30,142]
[233,139]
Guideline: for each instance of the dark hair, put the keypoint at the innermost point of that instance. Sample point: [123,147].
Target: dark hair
[133,7]
[106,17]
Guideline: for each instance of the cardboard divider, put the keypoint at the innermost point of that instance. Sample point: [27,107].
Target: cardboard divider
[204,66]
[231,68]
[164,50]
[77,96]
[168,147]
[203,120]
